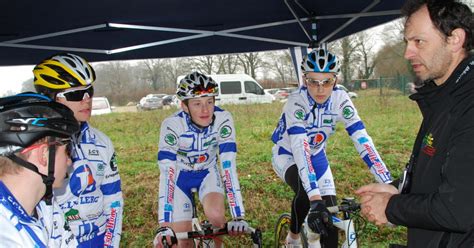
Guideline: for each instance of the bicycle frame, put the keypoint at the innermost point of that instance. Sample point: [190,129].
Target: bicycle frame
[204,234]
[346,224]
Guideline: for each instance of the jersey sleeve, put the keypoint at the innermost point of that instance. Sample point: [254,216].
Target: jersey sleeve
[113,200]
[347,113]
[227,158]
[296,115]
[167,154]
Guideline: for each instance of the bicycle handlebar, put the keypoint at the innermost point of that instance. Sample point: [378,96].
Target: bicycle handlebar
[209,233]
[348,205]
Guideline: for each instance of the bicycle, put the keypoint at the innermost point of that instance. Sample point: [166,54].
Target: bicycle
[349,209]
[204,234]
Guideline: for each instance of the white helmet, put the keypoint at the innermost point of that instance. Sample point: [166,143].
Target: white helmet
[196,85]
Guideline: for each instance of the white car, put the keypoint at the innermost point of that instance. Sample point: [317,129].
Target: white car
[350,93]
[100,106]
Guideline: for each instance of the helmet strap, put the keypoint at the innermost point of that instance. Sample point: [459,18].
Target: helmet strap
[48,180]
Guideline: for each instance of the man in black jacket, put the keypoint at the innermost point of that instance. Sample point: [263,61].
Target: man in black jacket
[436,197]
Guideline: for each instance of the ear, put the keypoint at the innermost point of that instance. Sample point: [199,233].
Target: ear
[184,107]
[457,38]
[39,157]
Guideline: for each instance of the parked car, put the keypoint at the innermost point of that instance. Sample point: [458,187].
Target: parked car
[283,93]
[100,106]
[151,102]
[350,93]
[272,92]
[170,100]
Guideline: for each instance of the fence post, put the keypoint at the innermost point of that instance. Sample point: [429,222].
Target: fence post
[380,85]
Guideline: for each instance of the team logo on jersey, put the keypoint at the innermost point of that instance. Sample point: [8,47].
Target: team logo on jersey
[72,215]
[113,162]
[299,114]
[225,132]
[318,139]
[100,169]
[427,145]
[348,112]
[82,181]
[170,139]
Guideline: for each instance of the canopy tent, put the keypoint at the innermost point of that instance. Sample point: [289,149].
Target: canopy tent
[118,30]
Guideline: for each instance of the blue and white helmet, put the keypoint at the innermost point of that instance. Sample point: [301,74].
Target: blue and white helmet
[320,60]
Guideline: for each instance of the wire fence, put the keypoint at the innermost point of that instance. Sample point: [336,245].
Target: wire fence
[387,85]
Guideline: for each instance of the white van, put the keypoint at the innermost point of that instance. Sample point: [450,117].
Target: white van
[238,89]
[100,106]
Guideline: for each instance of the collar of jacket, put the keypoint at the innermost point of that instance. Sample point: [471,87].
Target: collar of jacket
[431,96]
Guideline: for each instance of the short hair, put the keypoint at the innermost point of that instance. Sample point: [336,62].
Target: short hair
[446,16]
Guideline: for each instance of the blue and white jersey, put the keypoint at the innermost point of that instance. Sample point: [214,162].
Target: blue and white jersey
[303,129]
[185,147]
[91,200]
[17,227]
[52,218]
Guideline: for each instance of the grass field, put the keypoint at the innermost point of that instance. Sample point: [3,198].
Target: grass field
[392,121]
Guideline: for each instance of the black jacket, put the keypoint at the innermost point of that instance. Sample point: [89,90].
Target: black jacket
[438,204]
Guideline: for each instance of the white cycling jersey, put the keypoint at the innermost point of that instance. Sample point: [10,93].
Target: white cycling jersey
[17,227]
[187,158]
[92,200]
[301,134]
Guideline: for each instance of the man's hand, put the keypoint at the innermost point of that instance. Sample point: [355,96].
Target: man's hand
[165,235]
[319,218]
[374,200]
[237,227]
[377,188]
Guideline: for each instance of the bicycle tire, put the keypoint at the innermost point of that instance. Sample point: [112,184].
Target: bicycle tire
[282,228]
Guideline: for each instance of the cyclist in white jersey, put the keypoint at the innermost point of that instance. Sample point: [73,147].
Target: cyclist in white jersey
[91,200]
[309,117]
[193,142]
[34,134]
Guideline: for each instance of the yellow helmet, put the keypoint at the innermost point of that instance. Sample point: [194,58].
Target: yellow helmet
[61,72]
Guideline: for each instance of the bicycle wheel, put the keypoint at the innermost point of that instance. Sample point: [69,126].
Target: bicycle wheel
[282,228]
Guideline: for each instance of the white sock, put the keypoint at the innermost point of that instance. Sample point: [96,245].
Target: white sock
[291,241]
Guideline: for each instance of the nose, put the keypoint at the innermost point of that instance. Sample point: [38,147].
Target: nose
[205,107]
[320,88]
[409,51]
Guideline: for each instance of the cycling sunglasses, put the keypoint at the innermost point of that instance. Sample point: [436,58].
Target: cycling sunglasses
[77,95]
[326,83]
[58,142]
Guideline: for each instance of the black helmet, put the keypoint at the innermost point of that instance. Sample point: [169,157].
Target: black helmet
[28,117]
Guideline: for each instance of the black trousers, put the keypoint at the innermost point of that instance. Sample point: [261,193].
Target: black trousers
[300,207]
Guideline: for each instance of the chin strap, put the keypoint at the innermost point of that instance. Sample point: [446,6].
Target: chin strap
[48,180]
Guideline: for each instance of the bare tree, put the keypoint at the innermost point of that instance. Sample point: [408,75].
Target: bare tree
[115,79]
[205,64]
[250,62]
[347,47]
[153,72]
[282,66]
[227,64]
[364,52]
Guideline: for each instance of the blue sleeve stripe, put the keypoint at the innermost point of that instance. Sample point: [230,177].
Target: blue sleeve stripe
[111,188]
[282,151]
[355,127]
[228,147]
[296,130]
[162,155]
